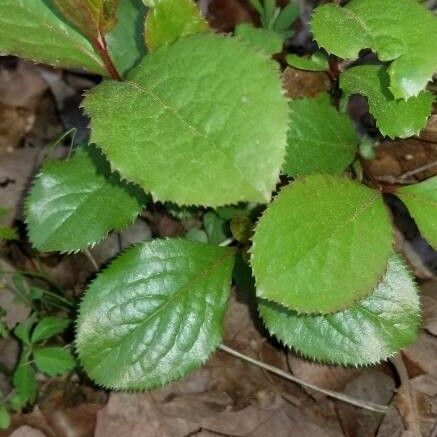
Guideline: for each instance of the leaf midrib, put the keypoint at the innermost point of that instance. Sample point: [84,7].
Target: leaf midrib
[204,274]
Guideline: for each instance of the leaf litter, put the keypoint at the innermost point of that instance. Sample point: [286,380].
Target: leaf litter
[228,396]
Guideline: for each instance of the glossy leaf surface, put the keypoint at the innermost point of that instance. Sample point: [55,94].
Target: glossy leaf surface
[76,203]
[364,334]
[155,314]
[34,30]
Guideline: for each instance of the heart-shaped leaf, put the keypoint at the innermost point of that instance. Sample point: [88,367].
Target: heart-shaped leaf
[75,203]
[34,30]
[155,314]
[190,143]
[394,118]
[320,139]
[366,333]
[421,201]
[169,20]
[322,245]
[398,30]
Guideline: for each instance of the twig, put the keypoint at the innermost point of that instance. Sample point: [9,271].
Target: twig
[371,406]
[91,259]
[408,174]
[101,47]
[406,392]
[226,242]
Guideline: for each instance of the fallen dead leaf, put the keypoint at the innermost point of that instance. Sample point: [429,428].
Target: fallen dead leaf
[300,83]
[16,309]
[15,171]
[321,375]
[27,431]
[421,356]
[371,385]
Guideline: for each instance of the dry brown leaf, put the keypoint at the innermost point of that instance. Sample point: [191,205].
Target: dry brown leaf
[421,356]
[300,83]
[321,375]
[16,310]
[371,385]
[15,171]
[27,431]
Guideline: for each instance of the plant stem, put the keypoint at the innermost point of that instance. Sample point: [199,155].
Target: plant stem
[92,260]
[371,406]
[102,48]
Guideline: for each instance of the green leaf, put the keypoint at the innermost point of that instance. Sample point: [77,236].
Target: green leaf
[93,18]
[288,15]
[7,234]
[215,227]
[322,245]
[126,41]
[48,327]
[191,144]
[24,380]
[267,41]
[394,118]
[169,20]
[242,228]
[398,30]
[75,203]
[22,330]
[54,360]
[33,30]
[316,62]
[421,201]
[320,139]
[155,314]
[5,417]
[196,234]
[367,333]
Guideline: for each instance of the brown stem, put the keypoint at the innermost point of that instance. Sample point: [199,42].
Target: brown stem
[102,48]
[406,404]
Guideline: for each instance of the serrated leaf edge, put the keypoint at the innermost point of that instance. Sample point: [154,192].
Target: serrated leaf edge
[161,384]
[345,364]
[305,313]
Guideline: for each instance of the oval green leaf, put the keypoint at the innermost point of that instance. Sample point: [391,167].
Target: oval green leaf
[49,327]
[365,334]
[155,314]
[320,139]
[54,360]
[421,201]
[190,143]
[76,203]
[322,245]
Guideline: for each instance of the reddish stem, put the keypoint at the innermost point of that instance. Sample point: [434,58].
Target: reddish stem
[102,48]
